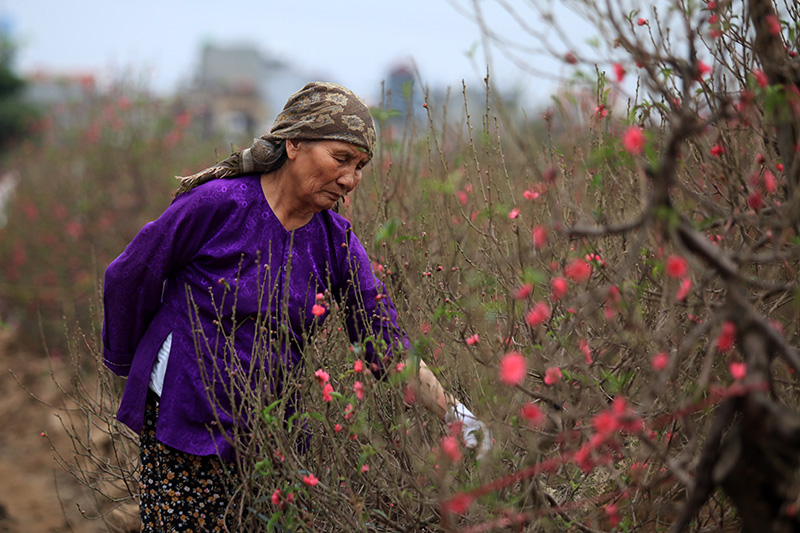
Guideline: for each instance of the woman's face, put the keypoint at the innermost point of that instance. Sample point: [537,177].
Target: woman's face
[325,170]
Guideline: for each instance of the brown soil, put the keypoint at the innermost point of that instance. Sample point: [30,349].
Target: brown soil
[36,493]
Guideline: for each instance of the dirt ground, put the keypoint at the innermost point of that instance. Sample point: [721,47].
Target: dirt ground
[36,493]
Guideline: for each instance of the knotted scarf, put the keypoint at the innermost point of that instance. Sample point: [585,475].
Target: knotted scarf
[318,111]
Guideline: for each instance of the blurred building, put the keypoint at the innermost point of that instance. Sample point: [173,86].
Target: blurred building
[238,89]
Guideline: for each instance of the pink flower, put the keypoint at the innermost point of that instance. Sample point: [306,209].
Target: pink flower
[770,183]
[755,200]
[641,22]
[463,198]
[539,236]
[578,270]
[326,392]
[633,140]
[717,150]
[523,291]
[558,288]
[348,411]
[583,345]
[600,111]
[552,375]
[318,310]
[726,337]
[514,213]
[473,340]
[659,361]
[337,428]
[532,414]
[738,370]
[450,448]
[364,468]
[322,376]
[310,480]
[613,515]
[276,497]
[676,266]
[358,366]
[761,78]
[319,296]
[619,72]
[605,423]
[458,504]
[530,195]
[513,368]
[359,388]
[703,69]
[683,290]
[537,315]
[773,24]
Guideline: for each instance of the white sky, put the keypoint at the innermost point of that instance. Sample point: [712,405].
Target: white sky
[352,42]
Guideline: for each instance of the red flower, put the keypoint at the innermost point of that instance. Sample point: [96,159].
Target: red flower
[450,448]
[641,22]
[358,366]
[532,414]
[676,266]
[322,376]
[326,392]
[659,361]
[537,315]
[770,183]
[318,310]
[703,69]
[605,423]
[683,291]
[459,504]
[717,150]
[513,368]
[570,58]
[761,79]
[633,140]
[755,200]
[552,375]
[773,24]
[726,337]
[539,236]
[558,288]
[578,270]
[619,71]
[310,480]
[524,291]
[364,468]
[359,388]
[738,370]
[473,339]
[276,497]
[583,345]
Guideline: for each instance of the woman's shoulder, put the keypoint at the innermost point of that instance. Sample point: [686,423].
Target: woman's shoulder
[223,192]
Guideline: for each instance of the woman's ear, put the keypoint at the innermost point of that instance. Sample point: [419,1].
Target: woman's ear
[292,147]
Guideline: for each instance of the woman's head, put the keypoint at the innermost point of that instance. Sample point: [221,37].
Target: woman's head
[318,111]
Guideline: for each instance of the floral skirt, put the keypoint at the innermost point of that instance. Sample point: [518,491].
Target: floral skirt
[179,491]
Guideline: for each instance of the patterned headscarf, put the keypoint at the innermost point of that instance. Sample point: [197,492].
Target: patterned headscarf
[318,111]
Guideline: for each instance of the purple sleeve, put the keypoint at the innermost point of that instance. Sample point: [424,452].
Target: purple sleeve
[134,281]
[371,315]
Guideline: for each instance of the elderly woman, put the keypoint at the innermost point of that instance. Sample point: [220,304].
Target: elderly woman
[259,225]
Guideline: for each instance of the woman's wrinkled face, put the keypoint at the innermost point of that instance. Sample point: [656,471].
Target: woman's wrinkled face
[325,170]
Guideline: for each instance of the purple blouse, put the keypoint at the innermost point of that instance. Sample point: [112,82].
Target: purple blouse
[218,260]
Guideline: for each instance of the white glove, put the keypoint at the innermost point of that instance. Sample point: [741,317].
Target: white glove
[470,427]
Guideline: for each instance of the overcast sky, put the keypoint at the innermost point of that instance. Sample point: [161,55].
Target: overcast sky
[351,42]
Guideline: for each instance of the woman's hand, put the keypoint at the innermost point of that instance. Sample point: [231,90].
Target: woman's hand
[473,431]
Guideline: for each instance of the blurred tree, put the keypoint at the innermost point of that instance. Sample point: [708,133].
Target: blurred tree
[15,113]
